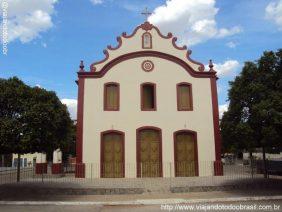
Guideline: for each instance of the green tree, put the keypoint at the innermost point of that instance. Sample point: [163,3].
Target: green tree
[31,119]
[254,116]
[70,148]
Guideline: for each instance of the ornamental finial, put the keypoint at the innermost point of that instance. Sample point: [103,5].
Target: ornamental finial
[211,65]
[81,66]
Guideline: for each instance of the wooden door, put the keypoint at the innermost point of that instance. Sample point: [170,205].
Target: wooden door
[150,153]
[185,154]
[112,161]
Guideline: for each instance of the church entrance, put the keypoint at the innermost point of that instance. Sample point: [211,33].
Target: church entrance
[149,152]
[112,154]
[185,154]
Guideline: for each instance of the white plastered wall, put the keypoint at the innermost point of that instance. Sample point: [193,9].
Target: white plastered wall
[28,157]
[130,75]
[57,156]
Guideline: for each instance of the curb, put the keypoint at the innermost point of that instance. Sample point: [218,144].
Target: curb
[142,201]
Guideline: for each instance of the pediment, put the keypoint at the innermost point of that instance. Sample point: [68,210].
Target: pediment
[134,44]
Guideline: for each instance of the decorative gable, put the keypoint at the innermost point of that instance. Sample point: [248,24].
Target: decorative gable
[146,40]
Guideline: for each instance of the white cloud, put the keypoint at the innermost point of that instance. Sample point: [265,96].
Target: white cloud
[273,12]
[219,88]
[231,44]
[96,2]
[222,109]
[228,32]
[132,7]
[229,67]
[72,106]
[27,19]
[192,21]
[44,45]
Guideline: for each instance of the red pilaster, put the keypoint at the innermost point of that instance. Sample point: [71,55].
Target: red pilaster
[80,167]
[80,170]
[217,138]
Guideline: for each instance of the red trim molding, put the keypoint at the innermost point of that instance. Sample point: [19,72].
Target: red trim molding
[103,147]
[195,150]
[142,96]
[218,168]
[80,167]
[119,44]
[138,148]
[92,66]
[217,137]
[201,66]
[178,97]
[174,39]
[147,27]
[112,63]
[105,96]
[80,170]
[79,125]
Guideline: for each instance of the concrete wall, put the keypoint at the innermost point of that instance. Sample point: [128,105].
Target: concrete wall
[258,155]
[25,157]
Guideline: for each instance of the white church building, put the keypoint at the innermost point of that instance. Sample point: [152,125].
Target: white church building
[147,110]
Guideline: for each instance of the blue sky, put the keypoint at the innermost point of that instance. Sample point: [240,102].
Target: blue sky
[48,38]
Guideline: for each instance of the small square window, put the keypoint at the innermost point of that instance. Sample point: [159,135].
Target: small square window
[111,96]
[184,97]
[148,97]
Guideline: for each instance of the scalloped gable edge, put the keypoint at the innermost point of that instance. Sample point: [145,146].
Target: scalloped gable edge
[147,27]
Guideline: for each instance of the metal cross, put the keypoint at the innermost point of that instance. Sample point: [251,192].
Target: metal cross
[146,13]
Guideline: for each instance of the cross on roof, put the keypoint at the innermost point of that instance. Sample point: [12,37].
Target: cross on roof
[146,13]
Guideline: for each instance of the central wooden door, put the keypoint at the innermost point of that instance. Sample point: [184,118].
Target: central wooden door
[149,153]
[112,155]
[185,150]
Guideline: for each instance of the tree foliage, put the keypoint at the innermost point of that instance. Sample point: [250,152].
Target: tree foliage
[254,116]
[32,119]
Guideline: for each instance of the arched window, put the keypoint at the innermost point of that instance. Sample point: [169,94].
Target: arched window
[146,40]
[184,97]
[148,97]
[111,96]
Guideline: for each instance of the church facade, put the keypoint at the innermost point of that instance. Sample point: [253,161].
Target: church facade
[147,110]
